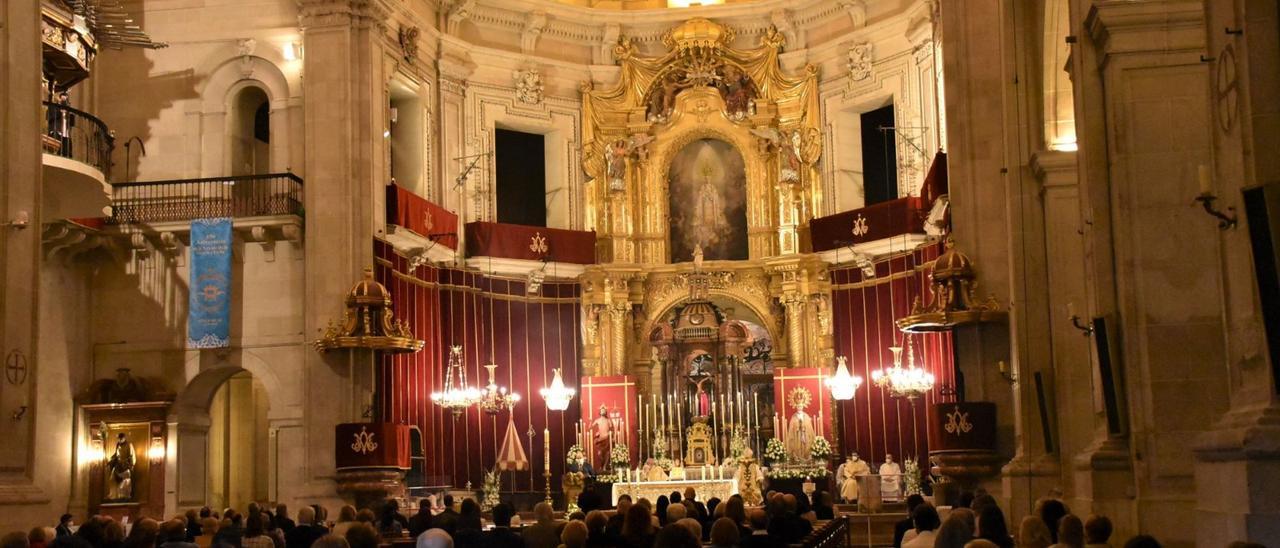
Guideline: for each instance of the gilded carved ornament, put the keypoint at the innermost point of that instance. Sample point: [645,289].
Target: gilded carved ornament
[624,120]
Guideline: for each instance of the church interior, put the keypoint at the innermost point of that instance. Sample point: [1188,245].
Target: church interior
[877,272]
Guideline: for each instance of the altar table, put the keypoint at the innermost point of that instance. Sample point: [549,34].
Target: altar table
[721,488]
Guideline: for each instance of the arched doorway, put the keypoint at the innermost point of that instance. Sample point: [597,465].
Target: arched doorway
[224,443]
[238,458]
[250,132]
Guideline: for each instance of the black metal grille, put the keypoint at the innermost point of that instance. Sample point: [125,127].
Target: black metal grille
[78,135]
[186,199]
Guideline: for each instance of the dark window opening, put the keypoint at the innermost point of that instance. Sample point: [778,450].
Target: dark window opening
[522,177]
[879,156]
[262,123]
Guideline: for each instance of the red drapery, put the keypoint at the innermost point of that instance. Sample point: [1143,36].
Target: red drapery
[864,311]
[868,224]
[415,213]
[532,243]
[529,336]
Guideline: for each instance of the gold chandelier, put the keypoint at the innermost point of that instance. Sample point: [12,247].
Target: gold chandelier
[909,382]
[457,396]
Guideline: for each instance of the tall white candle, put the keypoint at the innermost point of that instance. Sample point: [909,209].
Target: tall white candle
[1205,178]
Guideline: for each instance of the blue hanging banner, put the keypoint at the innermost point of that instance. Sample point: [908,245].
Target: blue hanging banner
[209,314]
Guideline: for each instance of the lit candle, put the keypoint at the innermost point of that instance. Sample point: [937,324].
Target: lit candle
[546,453]
[1071,310]
[820,428]
[1206,180]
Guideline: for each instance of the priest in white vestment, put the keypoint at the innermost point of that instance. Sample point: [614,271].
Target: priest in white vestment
[848,474]
[890,479]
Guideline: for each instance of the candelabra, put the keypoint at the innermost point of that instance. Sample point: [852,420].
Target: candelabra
[496,398]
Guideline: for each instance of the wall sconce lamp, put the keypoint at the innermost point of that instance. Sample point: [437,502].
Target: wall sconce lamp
[292,51]
[1075,320]
[1009,375]
[1206,198]
[20,220]
[156,451]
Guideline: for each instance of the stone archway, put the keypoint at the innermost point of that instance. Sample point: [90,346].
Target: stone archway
[189,467]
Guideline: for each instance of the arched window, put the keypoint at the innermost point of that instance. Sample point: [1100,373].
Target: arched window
[250,132]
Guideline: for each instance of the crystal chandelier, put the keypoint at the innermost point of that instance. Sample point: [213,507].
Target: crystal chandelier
[457,396]
[557,395]
[842,384]
[910,382]
[496,398]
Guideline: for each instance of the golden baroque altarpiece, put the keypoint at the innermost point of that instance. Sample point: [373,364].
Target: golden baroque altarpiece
[701,89]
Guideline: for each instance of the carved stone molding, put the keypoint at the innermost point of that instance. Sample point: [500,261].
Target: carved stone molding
[860,63]
[533,27]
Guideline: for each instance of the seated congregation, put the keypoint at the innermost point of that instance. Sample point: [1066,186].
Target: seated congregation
[680,520]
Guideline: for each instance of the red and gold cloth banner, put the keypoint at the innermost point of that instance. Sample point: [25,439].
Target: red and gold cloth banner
[415,213]
[533,243]
[790,385]
[868,224]
[371,445]
[617,395]
[962,426]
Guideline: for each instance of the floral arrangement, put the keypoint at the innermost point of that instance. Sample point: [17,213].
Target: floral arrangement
[805,471]
[820,449]
[738,443]
[911,476]
[620,456]
[575,457]
[492,483]
[774,451]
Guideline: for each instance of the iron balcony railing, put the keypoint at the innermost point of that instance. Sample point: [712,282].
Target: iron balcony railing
[78,135]
[186,199]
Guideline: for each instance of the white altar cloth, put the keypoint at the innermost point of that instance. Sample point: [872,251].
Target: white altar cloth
[721,488]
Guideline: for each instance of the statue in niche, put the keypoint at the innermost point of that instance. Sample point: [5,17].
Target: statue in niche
[738,91]
[703,398]
[602,439]
[800,430]
[616,165]
[791,163]
[120,470]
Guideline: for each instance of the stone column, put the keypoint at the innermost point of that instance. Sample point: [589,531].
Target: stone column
[343,136]
[20,262]
[1241,451]
[981,113]
[1141,65]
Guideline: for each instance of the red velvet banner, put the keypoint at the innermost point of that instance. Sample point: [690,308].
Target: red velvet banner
[371,445]
[492,318]
[864,310]
[616,394]
[415,213]
[789,384]
[532,243]
[868,224]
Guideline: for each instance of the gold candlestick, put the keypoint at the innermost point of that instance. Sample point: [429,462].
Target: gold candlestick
[547,476]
